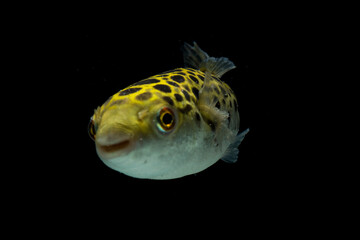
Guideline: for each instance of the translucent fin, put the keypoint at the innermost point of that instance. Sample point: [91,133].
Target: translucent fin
[196,58]
[217,66]
[193,56]
[206,97]
[207,102]
[231,153]
[216,118]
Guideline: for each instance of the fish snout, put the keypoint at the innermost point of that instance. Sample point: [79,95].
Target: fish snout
[114,144]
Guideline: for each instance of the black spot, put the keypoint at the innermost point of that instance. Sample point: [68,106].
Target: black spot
[173,83]
[163,88]
[223,91]
[187,88]
[223,102]
[229,118]
[146,81]
[178,78]
[217,105]
[196,92]
[129,91]
[194,79]
[230,104]
[144,96]
[201,77]
[169,100]
[178,97]
[186,109]
[197,116]
[186,94]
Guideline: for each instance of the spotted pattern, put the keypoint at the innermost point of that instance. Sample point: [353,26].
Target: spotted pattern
[117,102]
[194,79]
[186,94]
[144,96]
[180,88]
[163,88]
[169,100]
[146,81]
[173,84]
[178,97]
[186,109]
[196,92]
[178,78]
[129,91]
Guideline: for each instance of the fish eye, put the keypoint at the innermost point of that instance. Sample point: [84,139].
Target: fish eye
[91,129]
[166,120]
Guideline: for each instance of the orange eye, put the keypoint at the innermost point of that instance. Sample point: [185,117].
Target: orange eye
[166,120]
[91,129]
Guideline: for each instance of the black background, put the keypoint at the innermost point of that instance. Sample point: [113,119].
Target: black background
[101,60]
[97,60]
[64,63]
[86,61]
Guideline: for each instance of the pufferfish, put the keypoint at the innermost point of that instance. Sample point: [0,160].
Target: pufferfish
[172,124]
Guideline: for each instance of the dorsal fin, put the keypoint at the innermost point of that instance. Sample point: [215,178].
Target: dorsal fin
[196,58]
[193,56]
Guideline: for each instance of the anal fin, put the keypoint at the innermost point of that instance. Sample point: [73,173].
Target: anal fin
[231,153]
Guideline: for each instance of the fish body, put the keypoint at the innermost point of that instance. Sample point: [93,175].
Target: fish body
[172,124]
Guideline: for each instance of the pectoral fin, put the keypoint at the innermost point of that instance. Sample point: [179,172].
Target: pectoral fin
[231,153]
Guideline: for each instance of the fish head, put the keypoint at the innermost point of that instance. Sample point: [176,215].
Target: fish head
[145,136]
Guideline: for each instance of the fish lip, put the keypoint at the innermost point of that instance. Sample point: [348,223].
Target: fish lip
[108,150]
[115,147]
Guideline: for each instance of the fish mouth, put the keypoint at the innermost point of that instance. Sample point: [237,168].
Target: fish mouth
[113,146]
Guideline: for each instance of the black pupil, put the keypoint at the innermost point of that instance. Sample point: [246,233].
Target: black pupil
[167,118]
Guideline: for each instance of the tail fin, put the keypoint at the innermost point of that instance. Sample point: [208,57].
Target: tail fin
[196,58]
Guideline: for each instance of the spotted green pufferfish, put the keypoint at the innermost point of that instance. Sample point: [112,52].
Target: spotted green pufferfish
[172,124]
